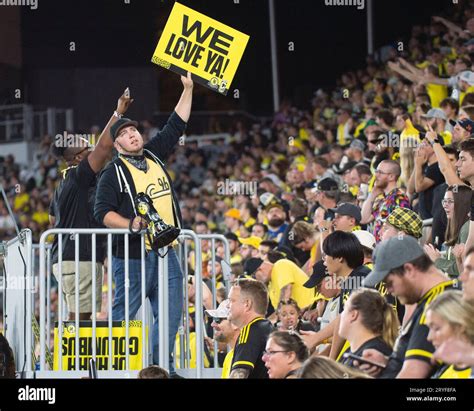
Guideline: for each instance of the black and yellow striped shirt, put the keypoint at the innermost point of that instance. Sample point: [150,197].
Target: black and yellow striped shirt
[412,343]
[250,346]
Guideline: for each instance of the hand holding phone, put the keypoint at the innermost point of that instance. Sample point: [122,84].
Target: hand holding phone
[363,360]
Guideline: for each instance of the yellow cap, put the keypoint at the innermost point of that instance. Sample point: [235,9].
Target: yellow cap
[252,241]
[234,213]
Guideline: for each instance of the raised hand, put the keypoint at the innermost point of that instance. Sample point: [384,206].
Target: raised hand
[124,102]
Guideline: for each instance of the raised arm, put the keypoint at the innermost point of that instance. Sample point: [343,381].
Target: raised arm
[444,163]
[101,152]
[183,108]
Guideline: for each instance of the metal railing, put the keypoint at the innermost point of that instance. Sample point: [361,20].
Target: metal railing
[46,323]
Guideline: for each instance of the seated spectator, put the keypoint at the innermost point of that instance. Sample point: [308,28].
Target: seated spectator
[248,304]
[289,317]
[319,367]
[153,372]
[449,316]
[284,354]
[343,259]
[367,321]
[456,204]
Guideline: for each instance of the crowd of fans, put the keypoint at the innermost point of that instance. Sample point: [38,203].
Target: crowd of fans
[309,201]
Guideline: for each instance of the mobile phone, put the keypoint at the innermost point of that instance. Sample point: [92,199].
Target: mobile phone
[362,360]
[127,92]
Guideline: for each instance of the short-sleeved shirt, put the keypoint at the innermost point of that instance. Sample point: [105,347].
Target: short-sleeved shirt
[412,343]
[250,346]
[286,272]
[377,343]
[352,283]
[73,207]
[384,205]
[452,372]
[426,197]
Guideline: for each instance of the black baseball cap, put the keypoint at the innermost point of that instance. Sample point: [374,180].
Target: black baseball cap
[252,265]
[328,184]
[348,209]
[231,236]
[121,123]
[319,272]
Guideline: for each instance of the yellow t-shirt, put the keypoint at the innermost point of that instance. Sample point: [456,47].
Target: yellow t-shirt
[454,373]
[437,93]
[463,94]
[154,183]
[20,201]
[226,367]
[41,217]
[286,272]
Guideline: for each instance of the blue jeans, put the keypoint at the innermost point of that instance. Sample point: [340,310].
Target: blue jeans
[175,294]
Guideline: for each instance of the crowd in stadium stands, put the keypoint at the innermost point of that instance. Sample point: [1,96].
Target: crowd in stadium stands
[324,212]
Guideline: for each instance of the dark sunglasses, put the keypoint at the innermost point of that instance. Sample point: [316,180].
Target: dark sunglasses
[217,320]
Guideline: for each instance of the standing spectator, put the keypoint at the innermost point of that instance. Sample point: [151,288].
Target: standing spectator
[284,279]
[401,221]
[457,204]
[73,207]
[247,308]
[411,277]
[232,221]
[346,217]
[427,177]
[385,196]
[284,354]
[138,167]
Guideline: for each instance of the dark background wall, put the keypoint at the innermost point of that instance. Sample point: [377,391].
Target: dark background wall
[114,42]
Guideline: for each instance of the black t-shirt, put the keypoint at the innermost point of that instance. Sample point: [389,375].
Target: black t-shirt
[426,197]
[73,207]
[352,283]
[412,343]
[376,343]
[250,346]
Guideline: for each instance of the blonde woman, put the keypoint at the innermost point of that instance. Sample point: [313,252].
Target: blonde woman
[319,367]
[449,316]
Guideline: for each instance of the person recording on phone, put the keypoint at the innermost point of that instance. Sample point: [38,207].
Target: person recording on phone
[138,169]
[72,206]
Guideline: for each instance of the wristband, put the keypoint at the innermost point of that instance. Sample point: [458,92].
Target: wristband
[117,114]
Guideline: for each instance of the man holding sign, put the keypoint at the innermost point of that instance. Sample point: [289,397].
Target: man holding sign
[140,168]
[207,48]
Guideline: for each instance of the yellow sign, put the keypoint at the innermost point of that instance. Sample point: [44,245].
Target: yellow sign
[68,345]
[208,49]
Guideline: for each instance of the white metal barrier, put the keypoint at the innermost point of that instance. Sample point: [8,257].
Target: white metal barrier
[22,328]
